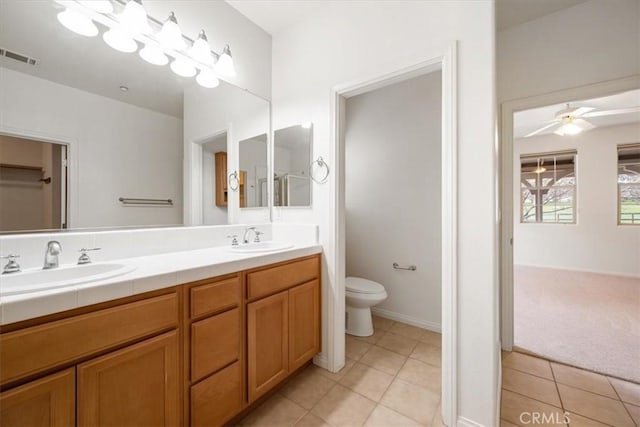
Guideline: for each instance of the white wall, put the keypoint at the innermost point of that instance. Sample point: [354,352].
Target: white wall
[393,168]
[355,41]
[595,242]
[118,150]
[594,41]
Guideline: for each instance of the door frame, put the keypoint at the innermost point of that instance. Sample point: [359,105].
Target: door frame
[447,63]
[507,110]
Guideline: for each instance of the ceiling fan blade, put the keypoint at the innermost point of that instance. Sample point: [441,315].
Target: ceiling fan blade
[585,125]
[612,112]
[582,111]
[543,128]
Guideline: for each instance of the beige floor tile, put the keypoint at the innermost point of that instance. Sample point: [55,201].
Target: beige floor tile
[585,380]
[377,334]
[311,420]
[431,338]
[307,388]
[277,411]
[335,376]
[355,348]
[367,381]
[407,331]
[634,411]
[343,407]
[383,360]
[415,402]
[576,420]
[427,353]
[531,386]
[421,374]
[383,417]
[518,409]
[628,392]
[397,343]
[595,406]
[505,423]
[529,364]
[382,323]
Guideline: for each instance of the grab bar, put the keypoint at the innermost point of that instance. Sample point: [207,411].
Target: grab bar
[153,202]
[397,266]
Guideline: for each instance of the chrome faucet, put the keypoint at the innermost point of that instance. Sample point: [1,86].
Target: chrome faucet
[256,233]
[51,255]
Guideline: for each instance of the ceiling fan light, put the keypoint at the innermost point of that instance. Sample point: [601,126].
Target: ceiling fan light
[183,68]
[201,51]
[568,128]
[100,6]
[120,40]
[134,17]
[207,79]
[170,34]
[224,66]
[78,23]
[153,55]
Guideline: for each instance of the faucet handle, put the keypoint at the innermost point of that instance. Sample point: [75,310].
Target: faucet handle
[84,258]
[12,266]
[257,238]
[234,239]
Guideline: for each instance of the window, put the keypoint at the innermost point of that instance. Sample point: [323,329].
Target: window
[629,184]
[548,187]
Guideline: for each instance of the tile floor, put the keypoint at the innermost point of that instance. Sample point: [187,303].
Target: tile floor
[531,384]
[390,379]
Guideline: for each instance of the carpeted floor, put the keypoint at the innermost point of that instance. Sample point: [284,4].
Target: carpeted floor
[588,320]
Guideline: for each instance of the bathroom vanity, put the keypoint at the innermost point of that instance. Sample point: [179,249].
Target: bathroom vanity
[197,353]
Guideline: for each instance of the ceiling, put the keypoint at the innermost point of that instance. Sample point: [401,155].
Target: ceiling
[525,122]
[510,13]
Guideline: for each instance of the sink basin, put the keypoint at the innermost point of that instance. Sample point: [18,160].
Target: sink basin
[41,280]
[261,247]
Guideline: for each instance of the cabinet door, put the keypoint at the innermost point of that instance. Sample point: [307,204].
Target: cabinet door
[135,386]
[217,398]
[267,343]
[50,401]
[304,323]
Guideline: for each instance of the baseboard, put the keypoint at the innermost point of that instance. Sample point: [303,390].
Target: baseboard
[465,422]
[410,320]
[321,360]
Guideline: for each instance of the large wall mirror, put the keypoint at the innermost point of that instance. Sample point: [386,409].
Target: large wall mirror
[94,137]
[292,161]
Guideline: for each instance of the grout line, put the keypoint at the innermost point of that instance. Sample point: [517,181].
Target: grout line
[532,398]
[555,382]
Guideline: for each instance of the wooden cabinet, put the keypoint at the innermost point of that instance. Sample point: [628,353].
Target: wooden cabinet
[217,398]
[220,164]
[47,402]
[267,343]
[135,386]
[304,323]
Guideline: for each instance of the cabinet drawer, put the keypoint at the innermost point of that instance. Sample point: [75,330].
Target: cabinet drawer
[216,296]
[274,279]
[218,398]
[215,342]
[28,351]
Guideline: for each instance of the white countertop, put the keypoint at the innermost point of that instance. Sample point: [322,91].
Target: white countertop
[151,273]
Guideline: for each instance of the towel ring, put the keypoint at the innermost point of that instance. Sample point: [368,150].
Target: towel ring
[322,164]
[234,183]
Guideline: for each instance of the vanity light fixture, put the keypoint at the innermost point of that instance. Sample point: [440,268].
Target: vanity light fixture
[134,18]
[306,125]
[200,51]
[120,40]
[100,6]
[207,79]
[78,23]
[153,55]
[183,68]
[170,34]
[224,66]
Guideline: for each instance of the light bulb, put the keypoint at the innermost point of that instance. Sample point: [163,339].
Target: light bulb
[571,129]
[78,23]
[100,6]
[170,34]
[183,68]
[134,18]
[206,78]
[120,40]
[307,125]
[153,55]
[224,66]
[200,51]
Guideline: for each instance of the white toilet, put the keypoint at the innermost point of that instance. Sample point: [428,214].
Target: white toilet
[361,295]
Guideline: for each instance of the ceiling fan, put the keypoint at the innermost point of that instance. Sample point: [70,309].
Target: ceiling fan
[571,120]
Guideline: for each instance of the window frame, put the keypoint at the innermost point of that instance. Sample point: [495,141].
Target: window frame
[623,147]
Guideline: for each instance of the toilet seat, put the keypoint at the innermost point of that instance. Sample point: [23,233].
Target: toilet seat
[358,285]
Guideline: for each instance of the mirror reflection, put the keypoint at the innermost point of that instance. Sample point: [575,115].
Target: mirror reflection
[292,160]
[253,172]
[93,137]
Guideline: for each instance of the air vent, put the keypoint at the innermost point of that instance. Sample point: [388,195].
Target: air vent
[17,56]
